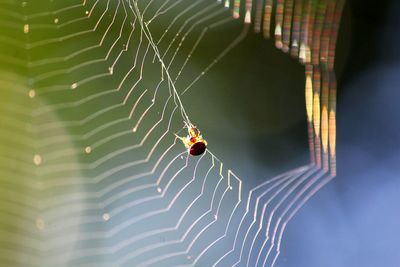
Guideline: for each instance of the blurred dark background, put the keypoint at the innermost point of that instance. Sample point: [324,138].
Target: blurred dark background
[258,127]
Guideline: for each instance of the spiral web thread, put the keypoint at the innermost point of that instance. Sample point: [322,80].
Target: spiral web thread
[91,172]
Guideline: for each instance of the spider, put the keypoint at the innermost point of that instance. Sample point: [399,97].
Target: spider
[194,142]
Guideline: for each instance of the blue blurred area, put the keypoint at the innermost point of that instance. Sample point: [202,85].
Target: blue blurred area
[354,221]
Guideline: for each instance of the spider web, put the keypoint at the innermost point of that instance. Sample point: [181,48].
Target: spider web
[91,171]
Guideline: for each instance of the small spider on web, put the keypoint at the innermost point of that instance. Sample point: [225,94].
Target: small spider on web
[194,141]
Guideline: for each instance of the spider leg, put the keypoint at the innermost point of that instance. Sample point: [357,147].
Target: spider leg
[179,137]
